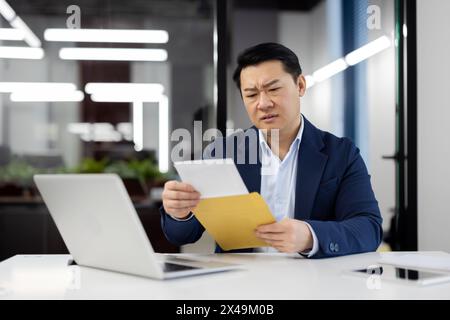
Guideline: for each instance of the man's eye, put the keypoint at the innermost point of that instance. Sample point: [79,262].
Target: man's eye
[274,89]
[251,96]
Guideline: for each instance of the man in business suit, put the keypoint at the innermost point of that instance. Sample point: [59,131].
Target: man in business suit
[316,185]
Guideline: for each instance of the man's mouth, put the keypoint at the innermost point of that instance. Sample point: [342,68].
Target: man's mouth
[268,117]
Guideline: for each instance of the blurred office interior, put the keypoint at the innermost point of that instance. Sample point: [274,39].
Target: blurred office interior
[108,101]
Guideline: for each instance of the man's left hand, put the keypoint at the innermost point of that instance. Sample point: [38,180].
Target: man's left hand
[288,235]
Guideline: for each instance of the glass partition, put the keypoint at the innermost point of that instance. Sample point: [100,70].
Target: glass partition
[98,86]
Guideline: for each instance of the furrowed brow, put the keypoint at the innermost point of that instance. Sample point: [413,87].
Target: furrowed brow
[264,86]
[271,83]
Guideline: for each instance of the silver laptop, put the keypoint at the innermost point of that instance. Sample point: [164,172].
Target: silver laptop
[101,228]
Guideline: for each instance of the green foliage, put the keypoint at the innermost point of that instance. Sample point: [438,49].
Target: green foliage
[122,169]
[145,169]
[89,165]
[20,172]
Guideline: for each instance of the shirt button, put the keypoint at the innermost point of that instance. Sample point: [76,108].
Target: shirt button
[332,247]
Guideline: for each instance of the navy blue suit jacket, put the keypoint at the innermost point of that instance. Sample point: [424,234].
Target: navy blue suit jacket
[333,193]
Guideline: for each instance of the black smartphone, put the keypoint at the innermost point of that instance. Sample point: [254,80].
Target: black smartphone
[401,274]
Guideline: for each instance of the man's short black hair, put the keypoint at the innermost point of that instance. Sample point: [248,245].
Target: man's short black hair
[267,52]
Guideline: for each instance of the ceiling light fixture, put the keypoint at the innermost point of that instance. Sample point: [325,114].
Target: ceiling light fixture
[113,54]
[107,35]
[21,53]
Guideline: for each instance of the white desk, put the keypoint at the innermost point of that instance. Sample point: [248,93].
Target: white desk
[275,276]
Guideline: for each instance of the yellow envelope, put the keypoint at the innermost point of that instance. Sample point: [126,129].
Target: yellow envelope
[232,220]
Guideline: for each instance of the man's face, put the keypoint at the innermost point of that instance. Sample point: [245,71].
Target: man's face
[271,96]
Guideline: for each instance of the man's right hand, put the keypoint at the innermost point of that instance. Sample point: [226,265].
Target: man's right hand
[179,199]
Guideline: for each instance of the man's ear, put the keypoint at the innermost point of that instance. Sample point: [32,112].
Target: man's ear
[301,85]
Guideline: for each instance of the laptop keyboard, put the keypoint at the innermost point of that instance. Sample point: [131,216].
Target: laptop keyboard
[172,267]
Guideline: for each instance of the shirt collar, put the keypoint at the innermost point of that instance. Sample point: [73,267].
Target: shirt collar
[296,143]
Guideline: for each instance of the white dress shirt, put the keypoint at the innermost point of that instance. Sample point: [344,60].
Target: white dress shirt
[278,182]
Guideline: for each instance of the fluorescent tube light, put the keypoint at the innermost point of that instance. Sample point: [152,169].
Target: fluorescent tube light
[138,126]
[122,97]
[79,128]
[368,50]
[21,53]
[107,35]
[57,96]
[112,136]
[163,151]
[123,87]
[29,37]
[37,87]
[330,70]
[113,54]
[17,23]
[101,131]
[124,92]
[98,132]
[104,132]
[11,34]
[126,130]
[6,11]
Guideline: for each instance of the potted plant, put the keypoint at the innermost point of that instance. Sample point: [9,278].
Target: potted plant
[134,186]
[139,176]
[90,165]
[16,179]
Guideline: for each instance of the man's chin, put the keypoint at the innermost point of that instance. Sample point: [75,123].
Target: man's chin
[267,126]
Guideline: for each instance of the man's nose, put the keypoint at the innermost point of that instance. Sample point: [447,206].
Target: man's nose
[264,101]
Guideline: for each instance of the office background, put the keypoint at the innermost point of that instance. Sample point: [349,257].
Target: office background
[392,104]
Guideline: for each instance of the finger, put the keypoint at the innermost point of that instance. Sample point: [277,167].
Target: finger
[270,236]
[169,208]
[273,228]
[277,243]
[286,247]
[181,186]
[274,243]
[180,195]
[181,204]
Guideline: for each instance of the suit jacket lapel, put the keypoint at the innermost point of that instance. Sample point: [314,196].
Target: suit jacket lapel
[310,167]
